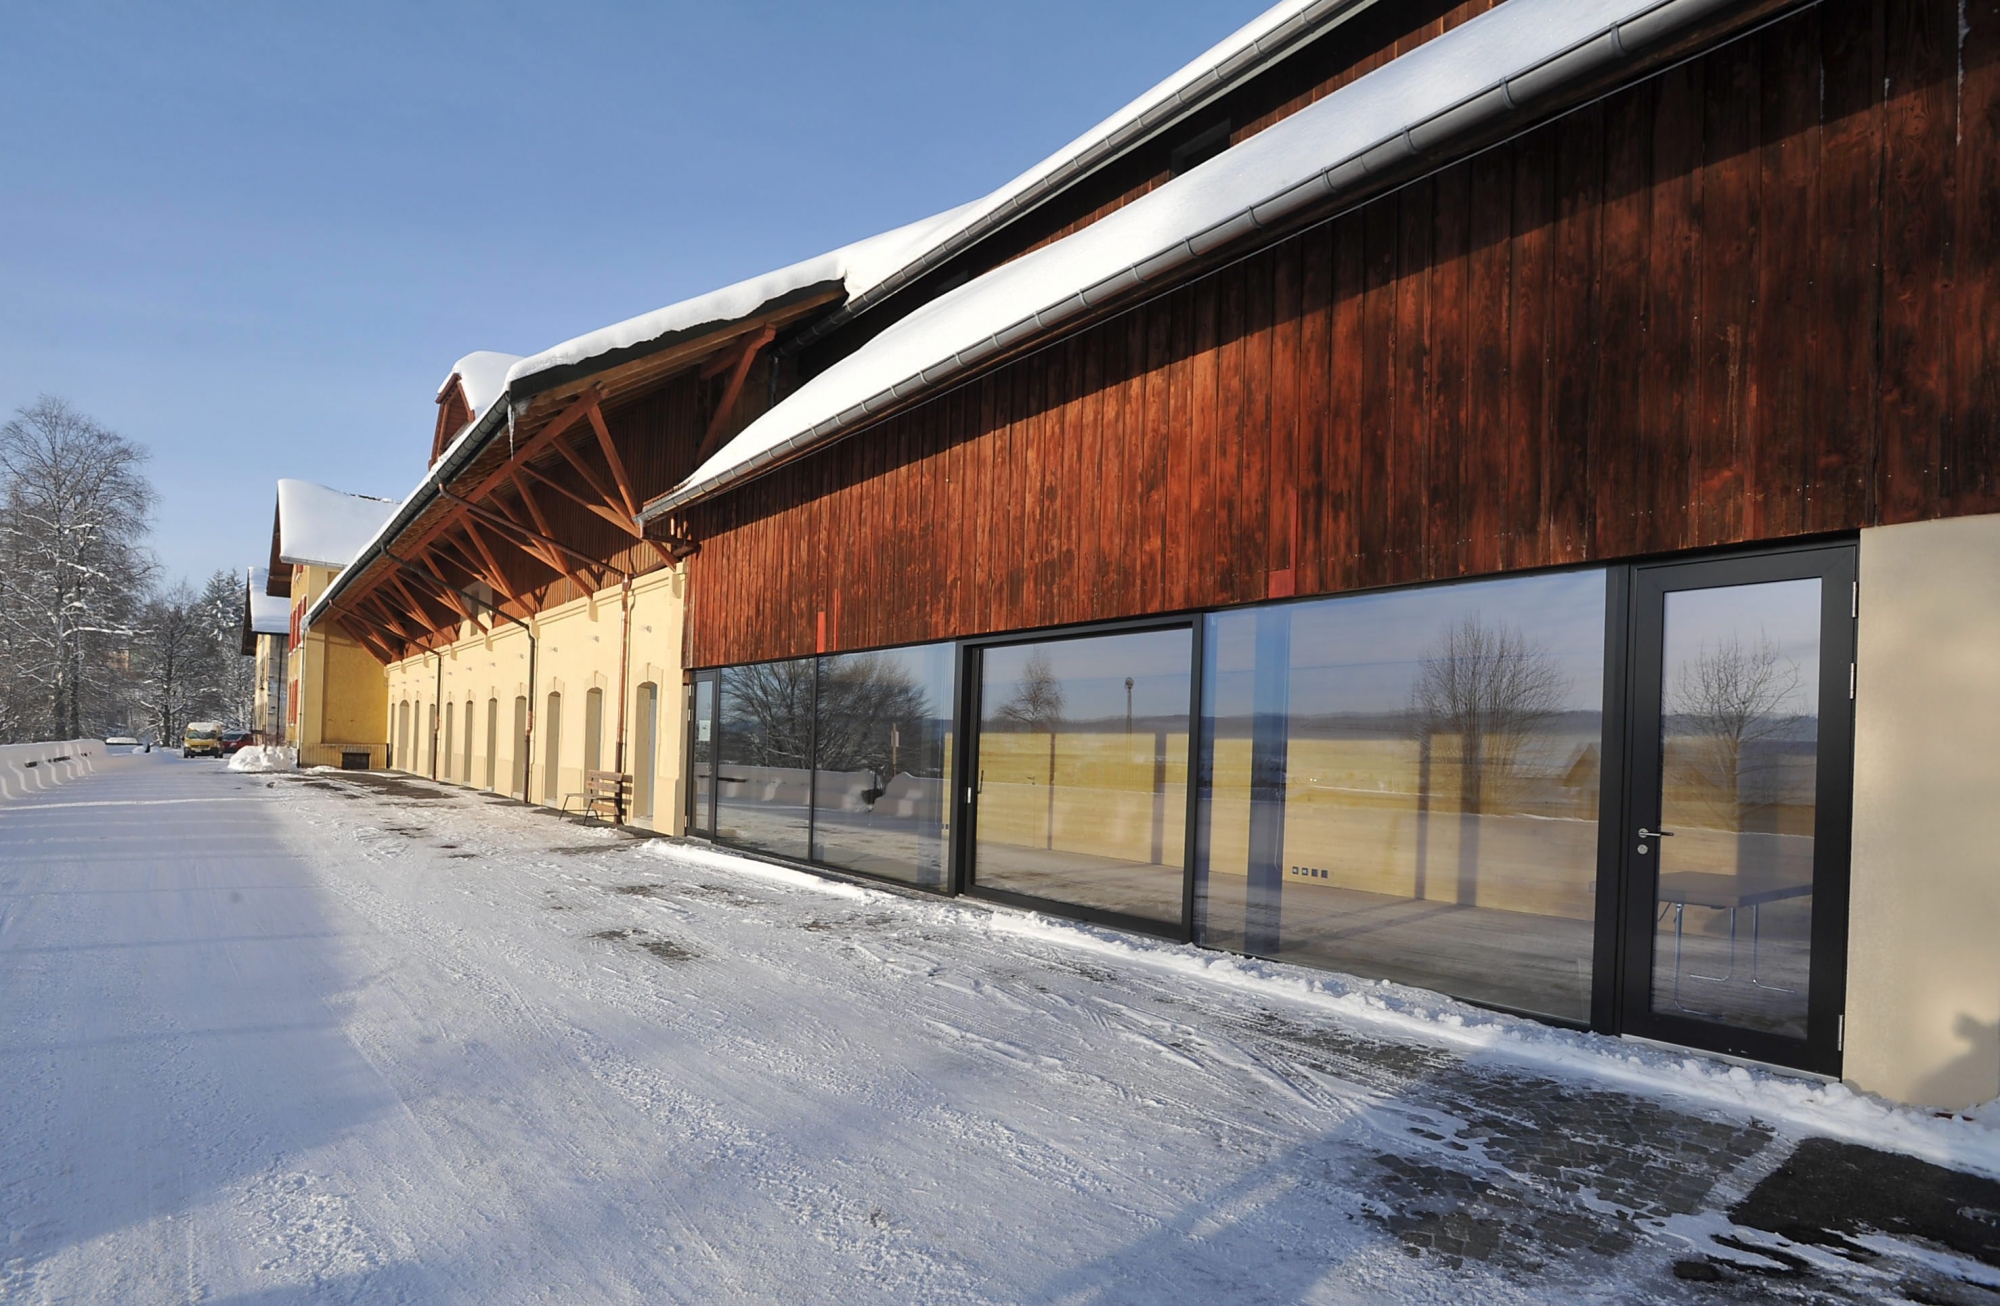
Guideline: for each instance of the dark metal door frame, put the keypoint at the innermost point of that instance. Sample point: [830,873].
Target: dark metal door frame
[1622,998]
[965,782]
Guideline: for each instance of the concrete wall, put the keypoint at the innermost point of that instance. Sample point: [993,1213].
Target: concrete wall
[1923,988]
[578,651]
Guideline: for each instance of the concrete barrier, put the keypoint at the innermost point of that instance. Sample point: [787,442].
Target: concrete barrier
[27,769]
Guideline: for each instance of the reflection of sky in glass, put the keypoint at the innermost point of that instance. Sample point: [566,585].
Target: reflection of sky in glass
[1362,654]
[1092,674]
[1784,612]
[926,666]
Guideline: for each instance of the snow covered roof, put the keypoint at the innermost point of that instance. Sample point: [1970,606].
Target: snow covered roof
[877,265]
[1507,56]
[326,528]
[267,615]
[863,263]
[483,374]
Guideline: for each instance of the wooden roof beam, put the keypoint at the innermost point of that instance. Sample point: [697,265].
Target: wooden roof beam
[727,404]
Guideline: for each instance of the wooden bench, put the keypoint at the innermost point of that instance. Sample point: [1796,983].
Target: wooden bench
[602,790]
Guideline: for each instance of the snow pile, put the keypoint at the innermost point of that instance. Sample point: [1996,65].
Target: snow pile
[324,527]
[262,758]
[1195,211]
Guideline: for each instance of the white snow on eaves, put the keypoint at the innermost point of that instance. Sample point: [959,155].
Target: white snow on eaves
[1440,74]
[483,374]
[326,528]
[269,615]
[862,263]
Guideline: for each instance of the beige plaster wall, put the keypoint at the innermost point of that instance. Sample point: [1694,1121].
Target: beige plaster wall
[1923,988]
[579,650]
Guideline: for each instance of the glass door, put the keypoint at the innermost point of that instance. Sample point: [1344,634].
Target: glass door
[1735,855]
[702,743]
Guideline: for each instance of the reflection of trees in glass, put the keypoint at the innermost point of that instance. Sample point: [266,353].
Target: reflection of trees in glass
[769,713]
[1727,701]
[1485,691]
[874,716]
[1037,705]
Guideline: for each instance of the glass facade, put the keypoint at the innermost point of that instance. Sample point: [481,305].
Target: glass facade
[763,774]
[1402,784]
[1082,771]
[1405,786]
[882,758]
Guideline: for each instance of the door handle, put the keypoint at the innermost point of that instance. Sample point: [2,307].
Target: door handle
[1655,834]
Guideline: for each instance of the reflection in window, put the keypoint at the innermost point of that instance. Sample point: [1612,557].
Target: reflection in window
[1083,771]
[1739,748]
[1405,786]
[764,772]
[884,762]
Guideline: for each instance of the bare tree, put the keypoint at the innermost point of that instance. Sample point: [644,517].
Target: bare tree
[768,713]
[1037,705]
[866,702]
[73,512]
[1728,700]
[1486,692]
[173,659]
[1037,702]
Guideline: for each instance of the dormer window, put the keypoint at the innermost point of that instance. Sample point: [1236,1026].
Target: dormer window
[454,411]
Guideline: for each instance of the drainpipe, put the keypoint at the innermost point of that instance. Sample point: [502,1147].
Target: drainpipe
[624,664]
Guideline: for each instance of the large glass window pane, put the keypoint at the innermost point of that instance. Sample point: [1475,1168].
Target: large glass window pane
[763,779]
[884,763]
[1082,771]
[1404,786]
[1739,745]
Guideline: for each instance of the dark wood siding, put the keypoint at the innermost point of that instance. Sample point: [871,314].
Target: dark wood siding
[1751,297]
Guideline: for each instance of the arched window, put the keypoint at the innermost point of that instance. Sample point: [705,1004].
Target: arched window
[445,762]
[492,740]
[403,734]
[645,742]
[517,765]
[593,730]
[465,772]
[552,751]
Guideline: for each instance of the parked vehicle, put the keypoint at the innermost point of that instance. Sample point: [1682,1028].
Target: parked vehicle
[234,742]
[202,739]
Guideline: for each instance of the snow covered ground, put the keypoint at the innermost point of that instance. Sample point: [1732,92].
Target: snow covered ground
[315,1037]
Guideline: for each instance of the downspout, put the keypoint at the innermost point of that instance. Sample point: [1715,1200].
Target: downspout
[624,664]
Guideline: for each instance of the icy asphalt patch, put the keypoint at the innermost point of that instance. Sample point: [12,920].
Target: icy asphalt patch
[337,1038]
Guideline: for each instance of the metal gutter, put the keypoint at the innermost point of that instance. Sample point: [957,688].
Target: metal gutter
[1203,88]
[1476,112]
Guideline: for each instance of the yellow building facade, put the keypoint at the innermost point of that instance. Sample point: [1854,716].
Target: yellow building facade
[527,711]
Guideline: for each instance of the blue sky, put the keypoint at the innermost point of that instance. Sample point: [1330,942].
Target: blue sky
[254,238]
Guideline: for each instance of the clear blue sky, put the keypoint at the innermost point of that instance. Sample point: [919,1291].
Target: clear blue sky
[254,238]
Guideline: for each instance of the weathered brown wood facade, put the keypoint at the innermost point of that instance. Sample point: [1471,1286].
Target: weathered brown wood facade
[1752,297]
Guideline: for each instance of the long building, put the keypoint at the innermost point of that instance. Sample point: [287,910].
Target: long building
[1497,497]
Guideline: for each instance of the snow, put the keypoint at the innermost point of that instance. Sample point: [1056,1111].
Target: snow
[346,1038]
[1050,283]
[483,374]
[324,527]
[260,759]
[857,265]
[269,614]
